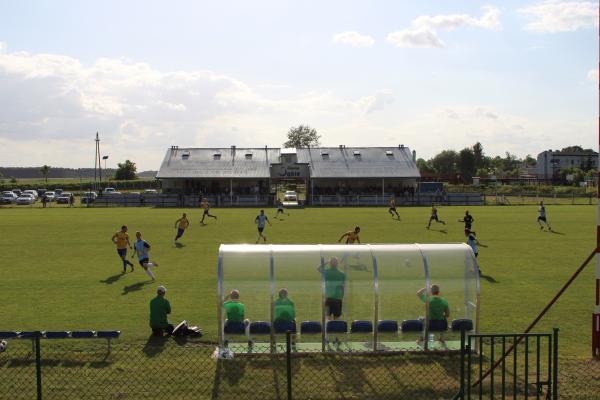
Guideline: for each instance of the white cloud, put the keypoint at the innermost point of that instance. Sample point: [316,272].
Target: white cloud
[593,75]
[561,16]
[489,20]
[354,39]
[140,111]
[414,38]
[2,47]
[423,32]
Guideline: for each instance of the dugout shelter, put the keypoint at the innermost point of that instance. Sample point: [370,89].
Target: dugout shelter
[380,310]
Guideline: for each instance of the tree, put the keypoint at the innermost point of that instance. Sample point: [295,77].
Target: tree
[425,167]
[479,157]
[445,162]
[302,136]
[126,171]
[530,161]
[572,149]
[466,164]
[45,170]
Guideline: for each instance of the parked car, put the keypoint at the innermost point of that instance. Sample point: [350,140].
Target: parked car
[33,192]
[8,198]
[57,192]
[25,199]
[150,191]
[50,196]
[109,190]
[64,198]
[41,192]
[113,193]
[17,191]
[88,197]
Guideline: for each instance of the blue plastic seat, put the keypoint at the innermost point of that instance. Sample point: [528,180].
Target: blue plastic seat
[439,325]
[336,326]
[387,325]
[459,324]
[260,328]
[8,335]
[284,326]
[56,335]
[108,334]
[234,328]
[310,327]
[361,326]
[412,325]
[83,334]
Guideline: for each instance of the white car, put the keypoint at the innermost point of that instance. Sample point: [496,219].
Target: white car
[150,191]
[50,196]
[26,199]
[290,199]
[8,198]
[32,192]
[109,190]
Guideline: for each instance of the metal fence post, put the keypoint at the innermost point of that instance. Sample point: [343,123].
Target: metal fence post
[555,369]
[288,359]
[38,367]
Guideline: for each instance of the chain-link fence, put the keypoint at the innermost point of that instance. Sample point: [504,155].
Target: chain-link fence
[188,368]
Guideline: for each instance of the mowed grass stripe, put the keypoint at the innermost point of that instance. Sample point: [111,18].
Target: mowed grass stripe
[60,270]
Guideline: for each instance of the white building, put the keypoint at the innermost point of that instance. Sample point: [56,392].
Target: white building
[549,163]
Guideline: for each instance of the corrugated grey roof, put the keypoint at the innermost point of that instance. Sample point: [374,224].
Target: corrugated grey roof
[373,162]
[201,163]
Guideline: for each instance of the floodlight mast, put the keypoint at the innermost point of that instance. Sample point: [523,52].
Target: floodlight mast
[596,314]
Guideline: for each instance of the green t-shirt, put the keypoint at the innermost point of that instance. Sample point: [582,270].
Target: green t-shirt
[285,310]
[159,308]
[438,306]
[234,311]
[334,283]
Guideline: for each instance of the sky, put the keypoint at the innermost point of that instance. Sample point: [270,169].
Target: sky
[517,76]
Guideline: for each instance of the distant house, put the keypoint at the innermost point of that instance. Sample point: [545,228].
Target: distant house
[549,163]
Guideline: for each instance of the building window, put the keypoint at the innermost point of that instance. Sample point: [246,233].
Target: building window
[217,156]
[248,156]
[185,155]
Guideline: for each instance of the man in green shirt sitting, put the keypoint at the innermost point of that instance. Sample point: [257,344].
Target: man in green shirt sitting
[234,310]
[285,310]
[439,310]
[159,309]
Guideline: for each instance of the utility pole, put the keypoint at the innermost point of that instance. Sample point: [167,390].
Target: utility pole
[97,163]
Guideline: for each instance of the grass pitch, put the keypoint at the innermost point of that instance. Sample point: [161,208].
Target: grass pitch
[61,271]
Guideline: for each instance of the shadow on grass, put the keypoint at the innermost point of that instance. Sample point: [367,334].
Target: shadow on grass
[112,279]
[556,232]
[488,278]
[135,287]
[155,345]
[179,245]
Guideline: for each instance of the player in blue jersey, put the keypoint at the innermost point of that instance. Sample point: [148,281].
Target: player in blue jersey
[542,216]
[473,243]
[260,220]
[142,249]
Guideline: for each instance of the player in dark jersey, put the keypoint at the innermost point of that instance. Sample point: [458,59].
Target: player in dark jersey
[280,209]
[392,209]
[434,217]
[468,221]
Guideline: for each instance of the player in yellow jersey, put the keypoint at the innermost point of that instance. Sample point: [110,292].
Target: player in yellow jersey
[351,236]
[181,224]
[392,209]
[206,206]
[121,239]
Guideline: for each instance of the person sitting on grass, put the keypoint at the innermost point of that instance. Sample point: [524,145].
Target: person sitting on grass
[159,309]
[439,310]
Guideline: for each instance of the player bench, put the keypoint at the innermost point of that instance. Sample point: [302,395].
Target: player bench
[32,335]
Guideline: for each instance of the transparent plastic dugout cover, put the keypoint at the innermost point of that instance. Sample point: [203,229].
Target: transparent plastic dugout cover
[380,283]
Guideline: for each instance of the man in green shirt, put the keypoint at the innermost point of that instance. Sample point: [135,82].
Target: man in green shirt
[285,310]
[439,310]
[334,288]
[233,308]
[159,309]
